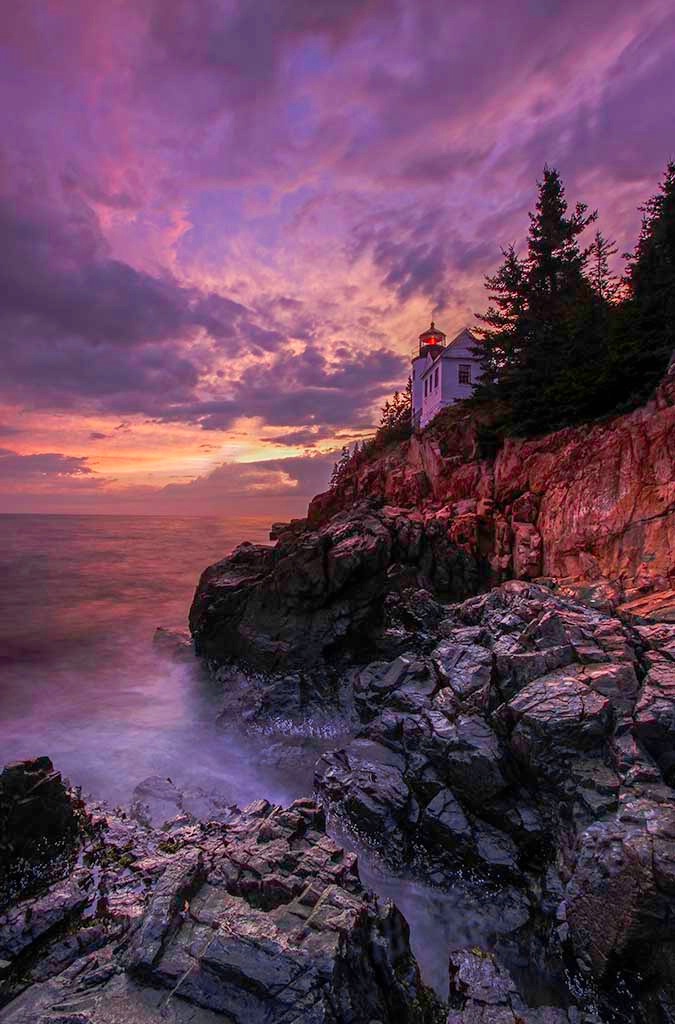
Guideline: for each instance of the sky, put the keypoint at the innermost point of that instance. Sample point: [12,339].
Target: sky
[225,223]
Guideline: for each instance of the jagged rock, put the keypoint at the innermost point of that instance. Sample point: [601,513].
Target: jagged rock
[554,716]
[483,992]
[22,926]
[655,710]
[654,607]
[258,919]
[38,824]
[521,742]
[365,783]
[466,668]
[592,505]
[163,916]
[401,803]
[437,727]
[321,593]
[620,900]
[294,526]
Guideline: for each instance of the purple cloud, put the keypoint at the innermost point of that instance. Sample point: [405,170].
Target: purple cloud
[207,206]
[46,464]
[299,478]
[304,389]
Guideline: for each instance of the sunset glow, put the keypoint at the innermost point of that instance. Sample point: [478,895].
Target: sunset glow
[225,224]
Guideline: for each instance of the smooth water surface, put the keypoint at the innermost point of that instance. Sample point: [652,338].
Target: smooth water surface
[80,680]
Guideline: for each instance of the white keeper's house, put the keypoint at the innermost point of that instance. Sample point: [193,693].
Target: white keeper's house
[443,372]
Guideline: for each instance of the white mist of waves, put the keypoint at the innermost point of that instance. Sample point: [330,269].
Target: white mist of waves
[108,727]
[80,679]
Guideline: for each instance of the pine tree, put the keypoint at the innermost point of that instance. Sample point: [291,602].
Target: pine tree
[499,338]
[604,283]
[563,340]
[550,344]
[646,337]
[396,418]
[340,468]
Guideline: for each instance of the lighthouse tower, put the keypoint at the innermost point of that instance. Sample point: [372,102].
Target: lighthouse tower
[431,342]
[442,372]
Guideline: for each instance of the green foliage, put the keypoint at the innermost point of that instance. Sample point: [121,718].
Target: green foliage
[341,467]
[395,426]
[564,340]
[645,334]
[396,419]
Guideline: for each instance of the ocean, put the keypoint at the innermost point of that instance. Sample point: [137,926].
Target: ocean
[81,682]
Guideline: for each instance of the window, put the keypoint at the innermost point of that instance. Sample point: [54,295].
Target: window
[464,373]
[436,377]
[425,388]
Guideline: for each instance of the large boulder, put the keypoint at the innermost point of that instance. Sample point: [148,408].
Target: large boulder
[553,718]
[482,991]
[38,824]
[321,593]
[619,904]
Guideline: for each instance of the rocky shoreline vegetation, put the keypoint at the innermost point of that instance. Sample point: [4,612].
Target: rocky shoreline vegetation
[499,652]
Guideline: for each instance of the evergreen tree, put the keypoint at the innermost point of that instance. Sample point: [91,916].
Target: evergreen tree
[604,283]
[646,335]
[340,468]
[396,418]
[563,340]
[503,321]
[550,342]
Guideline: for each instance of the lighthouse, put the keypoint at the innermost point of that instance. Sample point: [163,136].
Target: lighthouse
[443,372]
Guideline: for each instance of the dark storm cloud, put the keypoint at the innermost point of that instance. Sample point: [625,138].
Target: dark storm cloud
[301,390]
[45,464]
[414,248]
[429,123]
[79,326]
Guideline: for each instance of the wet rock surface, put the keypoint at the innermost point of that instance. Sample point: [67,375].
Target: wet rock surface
[527,755]
[38,826]
[483,992]
[322,596]
[515,748]
[257,918]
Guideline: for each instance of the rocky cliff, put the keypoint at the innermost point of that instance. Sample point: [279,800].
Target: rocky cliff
[592,506]
[500,631]
[509,741]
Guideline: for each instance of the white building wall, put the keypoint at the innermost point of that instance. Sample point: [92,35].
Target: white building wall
[418,365]
[452,390]
[449,389]
[432,402]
